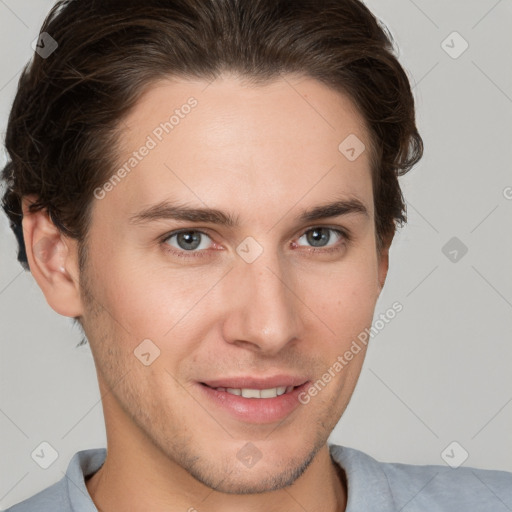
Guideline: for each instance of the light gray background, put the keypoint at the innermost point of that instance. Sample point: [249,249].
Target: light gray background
[439,372]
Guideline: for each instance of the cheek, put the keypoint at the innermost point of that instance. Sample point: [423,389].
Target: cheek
[344,297]
[167,306]
[162,303]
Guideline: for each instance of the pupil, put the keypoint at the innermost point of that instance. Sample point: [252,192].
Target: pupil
[189,240]
[318,235]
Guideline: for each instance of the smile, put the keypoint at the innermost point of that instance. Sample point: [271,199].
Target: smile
[258,393]
[252,400]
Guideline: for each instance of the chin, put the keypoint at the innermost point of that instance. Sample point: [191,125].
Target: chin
[263,477]
[253,481]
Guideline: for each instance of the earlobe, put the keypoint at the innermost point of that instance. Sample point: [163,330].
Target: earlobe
[52,262]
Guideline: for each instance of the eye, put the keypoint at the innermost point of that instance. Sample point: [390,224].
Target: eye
[188,240]
[320,237]
[191,242]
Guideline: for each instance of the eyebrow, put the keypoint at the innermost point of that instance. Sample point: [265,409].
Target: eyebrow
[166,210]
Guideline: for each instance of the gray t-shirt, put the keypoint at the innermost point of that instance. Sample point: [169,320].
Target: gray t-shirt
[372,486]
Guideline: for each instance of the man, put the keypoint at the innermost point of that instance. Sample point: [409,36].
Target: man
[210,189]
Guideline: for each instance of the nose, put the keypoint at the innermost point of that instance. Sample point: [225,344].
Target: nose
[264,310]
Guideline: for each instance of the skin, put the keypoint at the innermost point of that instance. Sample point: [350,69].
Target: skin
[264,154]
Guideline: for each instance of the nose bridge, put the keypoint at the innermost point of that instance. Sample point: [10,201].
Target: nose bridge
[265,310]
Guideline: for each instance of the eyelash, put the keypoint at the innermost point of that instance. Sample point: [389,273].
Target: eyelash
[345,235]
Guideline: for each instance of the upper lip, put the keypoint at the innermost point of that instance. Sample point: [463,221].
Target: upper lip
[247,382]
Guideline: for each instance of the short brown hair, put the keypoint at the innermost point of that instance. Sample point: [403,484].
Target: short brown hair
[65,120]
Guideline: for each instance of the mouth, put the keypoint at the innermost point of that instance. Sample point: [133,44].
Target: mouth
[256,401]
[255,393]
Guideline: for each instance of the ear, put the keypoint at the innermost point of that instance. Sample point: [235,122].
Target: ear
[53,262]
[383,262]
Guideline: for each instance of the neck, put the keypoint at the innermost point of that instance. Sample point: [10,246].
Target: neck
[141,479]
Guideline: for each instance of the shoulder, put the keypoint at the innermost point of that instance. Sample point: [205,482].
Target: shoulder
[422,487]
[53,498]
[70,492]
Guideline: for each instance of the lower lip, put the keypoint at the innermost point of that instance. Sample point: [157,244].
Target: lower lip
[255,410]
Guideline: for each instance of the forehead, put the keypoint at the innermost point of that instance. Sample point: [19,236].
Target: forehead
[229,143]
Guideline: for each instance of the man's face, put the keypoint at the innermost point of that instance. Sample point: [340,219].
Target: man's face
[267,301]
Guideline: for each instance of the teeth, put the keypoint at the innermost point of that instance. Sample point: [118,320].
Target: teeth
[281,390]
[251,393]
[268,393]
[258,393]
